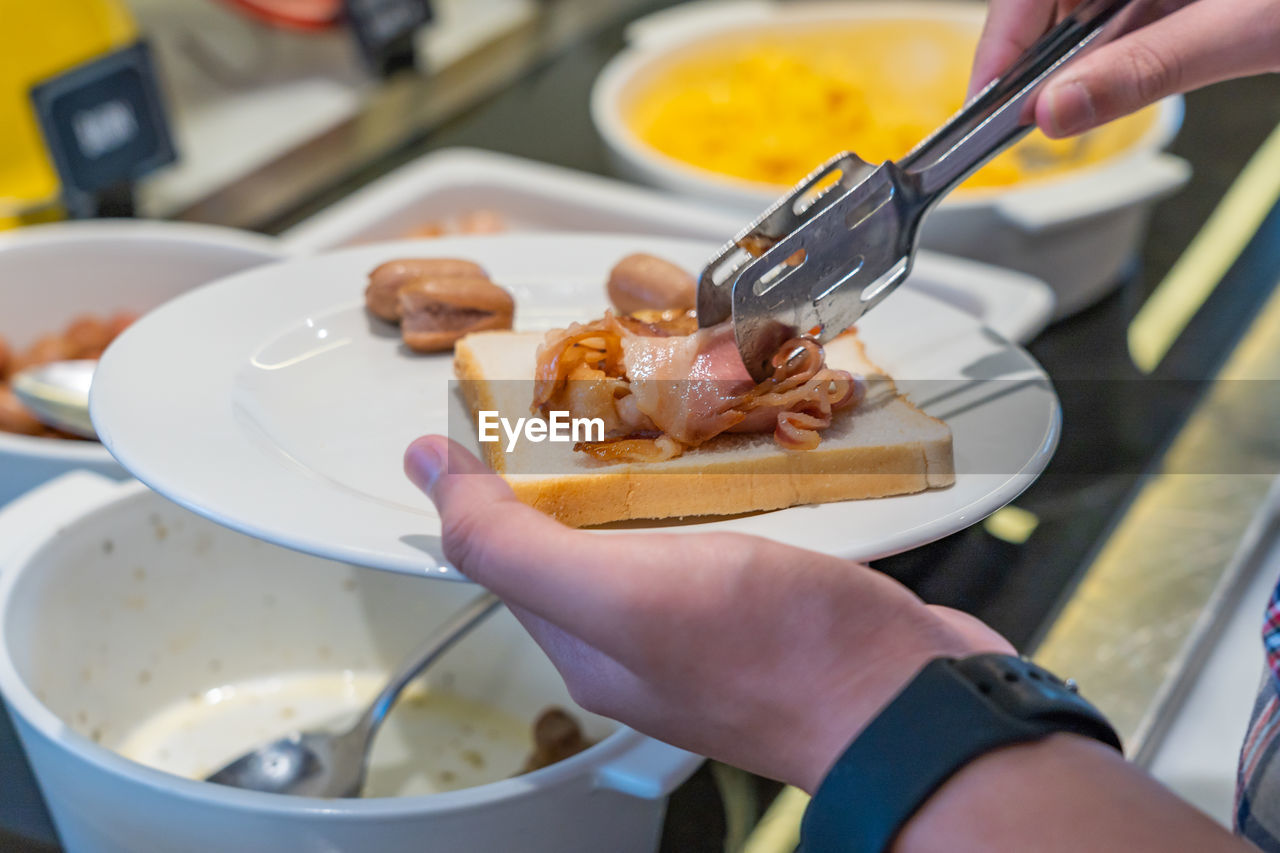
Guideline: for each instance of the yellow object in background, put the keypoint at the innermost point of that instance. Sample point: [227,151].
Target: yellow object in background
[38,40]
[771,107]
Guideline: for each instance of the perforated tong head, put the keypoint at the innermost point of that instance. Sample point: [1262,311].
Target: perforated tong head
[843,239]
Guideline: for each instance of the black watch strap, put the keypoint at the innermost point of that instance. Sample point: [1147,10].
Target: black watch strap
[952,712]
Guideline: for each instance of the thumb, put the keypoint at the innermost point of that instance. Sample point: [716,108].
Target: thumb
[476,506]
[1199,44]
[527,558]
[431,463]
[1118,79]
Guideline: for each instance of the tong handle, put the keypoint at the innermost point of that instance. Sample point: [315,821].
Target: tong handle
[999,115]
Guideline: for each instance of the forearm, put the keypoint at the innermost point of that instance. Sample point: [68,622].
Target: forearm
[1065,793]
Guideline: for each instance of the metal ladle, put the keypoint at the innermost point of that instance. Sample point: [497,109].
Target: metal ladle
[57,393]
[324,764]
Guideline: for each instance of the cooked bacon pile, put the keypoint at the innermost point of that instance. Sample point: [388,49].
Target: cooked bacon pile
[662,385]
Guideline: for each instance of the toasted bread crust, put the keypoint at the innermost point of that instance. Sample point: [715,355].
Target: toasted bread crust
[601,497]
[479,397]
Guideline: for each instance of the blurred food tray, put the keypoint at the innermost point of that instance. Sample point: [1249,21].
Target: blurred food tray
[230,80]
[460,190]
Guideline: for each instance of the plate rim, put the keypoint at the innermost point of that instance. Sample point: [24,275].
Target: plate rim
[421,562]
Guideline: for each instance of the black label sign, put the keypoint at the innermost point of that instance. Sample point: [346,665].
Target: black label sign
[103,121]
[384,30]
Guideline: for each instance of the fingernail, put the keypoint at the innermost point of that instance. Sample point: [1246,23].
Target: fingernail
[423,463]
[1070,109]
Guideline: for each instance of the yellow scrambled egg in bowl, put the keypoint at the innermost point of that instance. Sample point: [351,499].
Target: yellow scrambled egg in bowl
[770,105]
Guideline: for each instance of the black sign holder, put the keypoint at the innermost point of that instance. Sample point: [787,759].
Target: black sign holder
[384,29]
[105,126]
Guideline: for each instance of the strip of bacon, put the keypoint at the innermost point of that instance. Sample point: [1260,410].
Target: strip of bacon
[662,386]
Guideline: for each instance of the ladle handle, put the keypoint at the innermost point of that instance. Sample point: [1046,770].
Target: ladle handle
[432,648]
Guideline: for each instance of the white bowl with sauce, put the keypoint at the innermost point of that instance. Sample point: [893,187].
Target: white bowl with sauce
[142,646]
[51,273]
[1077,230]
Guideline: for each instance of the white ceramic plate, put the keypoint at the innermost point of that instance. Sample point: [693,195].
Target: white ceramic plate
[271,403]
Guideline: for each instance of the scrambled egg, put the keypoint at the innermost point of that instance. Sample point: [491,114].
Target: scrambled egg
[771,106]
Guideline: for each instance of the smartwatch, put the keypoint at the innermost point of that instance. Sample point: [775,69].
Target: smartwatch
[952,712]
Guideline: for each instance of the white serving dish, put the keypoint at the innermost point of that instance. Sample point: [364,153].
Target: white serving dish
[534,196]
[1077,232]
[529,195]
[119,603]
[51,273]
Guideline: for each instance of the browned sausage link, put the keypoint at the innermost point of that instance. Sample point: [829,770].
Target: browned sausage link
[87,336]
[434,228]
[556,736]
[6,359]
[118,322]
[44,350]
[482,221]
[436,312]
[14,416]
[646,283]
[386,280]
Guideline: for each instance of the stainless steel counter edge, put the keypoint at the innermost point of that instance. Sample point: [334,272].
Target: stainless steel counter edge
[1254,547]
[1149,605]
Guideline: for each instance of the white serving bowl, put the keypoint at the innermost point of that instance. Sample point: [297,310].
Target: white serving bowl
[1077,231]
[124,603]
[51,273]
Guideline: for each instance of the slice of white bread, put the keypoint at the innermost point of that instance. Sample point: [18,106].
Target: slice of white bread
[884,446]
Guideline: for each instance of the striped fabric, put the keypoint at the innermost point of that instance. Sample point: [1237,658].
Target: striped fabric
[1257,811]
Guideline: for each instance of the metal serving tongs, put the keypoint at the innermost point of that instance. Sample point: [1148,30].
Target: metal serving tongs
[844,238]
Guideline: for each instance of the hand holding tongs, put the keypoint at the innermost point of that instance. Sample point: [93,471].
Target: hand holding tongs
[843,239]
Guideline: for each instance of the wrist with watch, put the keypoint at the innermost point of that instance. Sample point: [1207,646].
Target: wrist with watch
[952,712]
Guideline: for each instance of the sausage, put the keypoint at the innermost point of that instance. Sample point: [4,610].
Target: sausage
[647,283]
[435,312]
[481,221]
[386,280]
[87,336]
[118,322]
[14,417]
[556,736]
[44,350]
[434,228]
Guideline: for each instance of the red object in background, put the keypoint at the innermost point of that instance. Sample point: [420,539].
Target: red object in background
[308,15]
